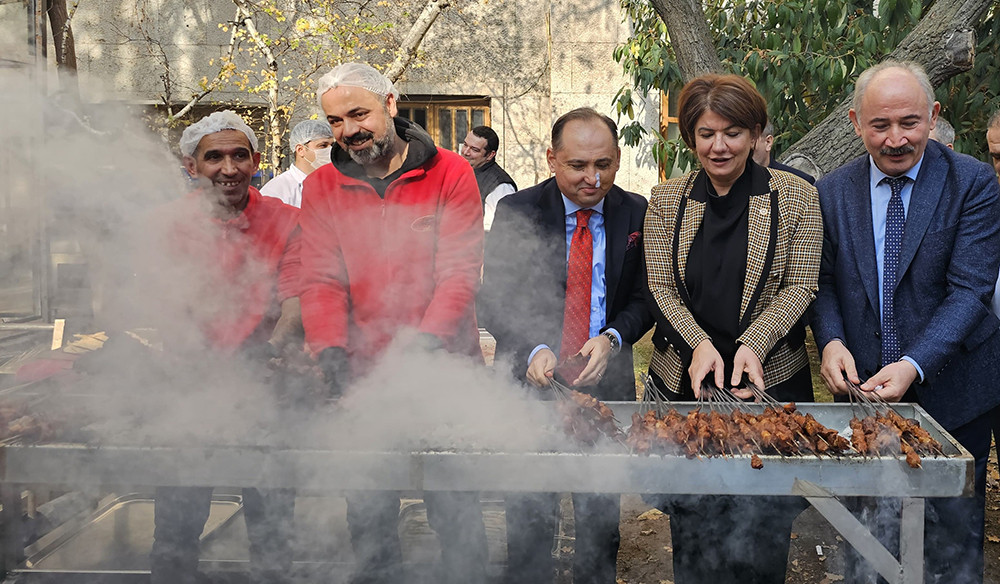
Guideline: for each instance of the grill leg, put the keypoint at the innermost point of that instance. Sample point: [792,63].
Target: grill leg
[860,537]
[10,518]
[911,541]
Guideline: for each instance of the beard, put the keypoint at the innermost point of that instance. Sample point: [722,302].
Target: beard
[380,149]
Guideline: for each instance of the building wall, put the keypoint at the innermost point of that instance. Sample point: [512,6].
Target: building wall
[534,60]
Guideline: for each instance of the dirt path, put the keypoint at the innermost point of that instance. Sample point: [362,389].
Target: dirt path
[816,555]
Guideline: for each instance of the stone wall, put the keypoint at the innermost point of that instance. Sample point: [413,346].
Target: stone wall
[534,59]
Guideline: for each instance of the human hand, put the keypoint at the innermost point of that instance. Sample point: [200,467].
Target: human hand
[288,330]
[746,361]
[705,360]
[836,362]
[598,351]
[541,367]
[892,381]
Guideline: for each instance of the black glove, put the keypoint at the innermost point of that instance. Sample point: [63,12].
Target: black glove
[336,370]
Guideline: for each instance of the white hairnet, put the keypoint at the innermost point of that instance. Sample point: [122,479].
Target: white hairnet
[356,75]
[309,130]
[224,120]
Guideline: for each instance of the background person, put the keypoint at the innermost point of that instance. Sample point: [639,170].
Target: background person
[392,242]
[732,253]
[910,259]
[480,149]
[993,140]
[564,276]
[943,132]
[312,141]
[763,157]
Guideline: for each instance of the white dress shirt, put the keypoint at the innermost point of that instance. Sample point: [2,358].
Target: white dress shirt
[287,186]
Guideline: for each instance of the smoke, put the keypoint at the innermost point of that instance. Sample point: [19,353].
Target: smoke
[104,184]
[416,400]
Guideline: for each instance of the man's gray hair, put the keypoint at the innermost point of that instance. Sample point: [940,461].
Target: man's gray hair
[943,132]
[768,130]
[356,75]
[217,122]
[994,120]
[915,69]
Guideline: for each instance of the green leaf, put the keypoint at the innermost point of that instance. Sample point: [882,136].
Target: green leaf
[885,10]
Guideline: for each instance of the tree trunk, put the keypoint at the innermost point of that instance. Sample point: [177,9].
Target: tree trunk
[690,37]
[272,146]
[62,40]
[943,42]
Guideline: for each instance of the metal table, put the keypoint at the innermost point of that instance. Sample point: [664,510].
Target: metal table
[819,479]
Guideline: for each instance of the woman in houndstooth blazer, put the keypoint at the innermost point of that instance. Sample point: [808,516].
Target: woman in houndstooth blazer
[732,254]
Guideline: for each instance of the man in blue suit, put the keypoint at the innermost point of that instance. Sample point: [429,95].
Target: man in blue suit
[910,256]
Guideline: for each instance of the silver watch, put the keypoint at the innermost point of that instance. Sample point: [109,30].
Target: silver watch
[615,345]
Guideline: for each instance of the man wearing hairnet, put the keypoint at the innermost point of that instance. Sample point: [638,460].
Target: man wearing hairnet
[224,291]
[312,141]
[392,236]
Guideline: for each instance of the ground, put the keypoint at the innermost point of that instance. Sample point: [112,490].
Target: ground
[645,553]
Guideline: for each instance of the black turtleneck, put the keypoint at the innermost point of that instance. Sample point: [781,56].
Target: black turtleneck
[717,262]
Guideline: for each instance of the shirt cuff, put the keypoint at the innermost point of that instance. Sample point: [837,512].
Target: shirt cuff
[920,372]
[535,350]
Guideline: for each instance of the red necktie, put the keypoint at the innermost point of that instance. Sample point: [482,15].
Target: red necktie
[576,314]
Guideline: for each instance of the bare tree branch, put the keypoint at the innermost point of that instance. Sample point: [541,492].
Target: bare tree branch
[214,84]
[408,48]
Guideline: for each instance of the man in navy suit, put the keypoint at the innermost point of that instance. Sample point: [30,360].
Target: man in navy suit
[531,284]
[910,256]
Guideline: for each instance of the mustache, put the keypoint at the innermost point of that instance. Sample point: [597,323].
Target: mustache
[897,151]
[359,138]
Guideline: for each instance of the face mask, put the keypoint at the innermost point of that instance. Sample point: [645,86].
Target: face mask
[321,157]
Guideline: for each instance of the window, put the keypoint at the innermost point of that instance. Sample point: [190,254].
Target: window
[669,127]
[447,119]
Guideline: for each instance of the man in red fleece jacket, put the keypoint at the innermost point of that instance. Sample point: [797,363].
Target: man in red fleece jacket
[228,266]
[392,240]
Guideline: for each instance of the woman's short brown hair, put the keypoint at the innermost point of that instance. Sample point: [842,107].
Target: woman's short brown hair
[730,96]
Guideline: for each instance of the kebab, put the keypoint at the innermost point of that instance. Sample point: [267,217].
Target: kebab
[884,431]
[585,418]
[17,423]
[782,431]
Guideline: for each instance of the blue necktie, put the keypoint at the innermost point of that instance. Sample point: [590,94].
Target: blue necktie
[895,218]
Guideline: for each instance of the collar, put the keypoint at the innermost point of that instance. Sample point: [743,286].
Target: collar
[755,178]
[878,176]
[421,151]
[486,166]
[572,207]
[297,173]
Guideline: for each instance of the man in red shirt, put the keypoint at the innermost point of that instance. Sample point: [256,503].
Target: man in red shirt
[229,269]
[392,241]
